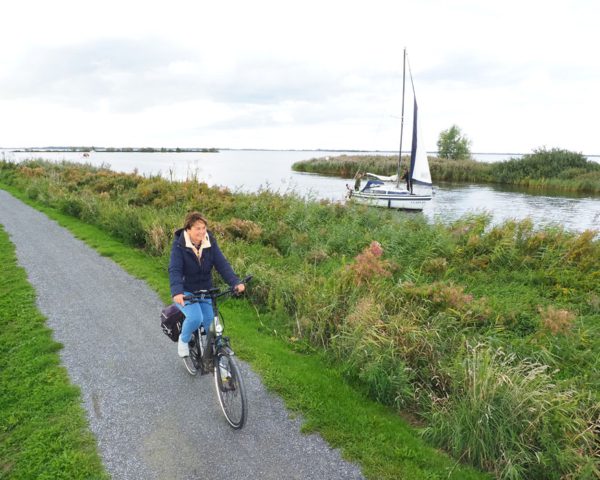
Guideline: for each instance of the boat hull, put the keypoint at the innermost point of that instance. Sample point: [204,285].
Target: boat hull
[403,201]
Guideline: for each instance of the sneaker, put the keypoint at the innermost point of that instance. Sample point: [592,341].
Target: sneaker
[183,349]
[189,366]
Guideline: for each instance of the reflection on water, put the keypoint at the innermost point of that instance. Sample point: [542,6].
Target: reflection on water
[573,212]
[250,170]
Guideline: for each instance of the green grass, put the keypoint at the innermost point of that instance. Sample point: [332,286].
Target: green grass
[367,433]
[43,430]
[393,303]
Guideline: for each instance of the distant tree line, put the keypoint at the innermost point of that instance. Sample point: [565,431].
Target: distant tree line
[119,149]
[160,150]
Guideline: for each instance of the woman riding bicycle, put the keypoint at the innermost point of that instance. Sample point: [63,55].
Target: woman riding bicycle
[193,255]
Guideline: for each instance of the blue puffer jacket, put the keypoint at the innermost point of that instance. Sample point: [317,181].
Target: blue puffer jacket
[188,273]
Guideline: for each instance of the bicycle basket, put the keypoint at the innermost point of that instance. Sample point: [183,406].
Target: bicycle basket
[171,319]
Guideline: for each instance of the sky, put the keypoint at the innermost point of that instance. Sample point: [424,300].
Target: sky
[514,76]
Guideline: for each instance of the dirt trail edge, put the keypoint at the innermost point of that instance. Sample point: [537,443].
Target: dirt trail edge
[151,419]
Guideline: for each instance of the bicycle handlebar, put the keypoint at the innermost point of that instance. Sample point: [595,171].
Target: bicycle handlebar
[215,292]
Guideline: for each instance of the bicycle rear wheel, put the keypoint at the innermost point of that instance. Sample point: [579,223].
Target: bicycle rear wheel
[230,390]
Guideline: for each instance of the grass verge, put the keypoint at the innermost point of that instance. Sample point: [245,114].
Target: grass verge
[43,430]
[366,432]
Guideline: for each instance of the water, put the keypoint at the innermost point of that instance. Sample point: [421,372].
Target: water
[573,212]
[252,170]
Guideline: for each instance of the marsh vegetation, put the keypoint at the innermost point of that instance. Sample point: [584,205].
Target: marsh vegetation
[543,169]
[488,336]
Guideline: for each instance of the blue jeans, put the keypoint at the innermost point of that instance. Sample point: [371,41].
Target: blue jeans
[196,313]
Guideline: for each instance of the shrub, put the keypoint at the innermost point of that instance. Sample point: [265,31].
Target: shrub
[124,223]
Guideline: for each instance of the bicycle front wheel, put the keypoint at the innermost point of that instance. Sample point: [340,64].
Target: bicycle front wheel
[230,390]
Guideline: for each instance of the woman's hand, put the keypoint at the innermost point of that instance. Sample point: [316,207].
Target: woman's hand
[239,288]
[179,299]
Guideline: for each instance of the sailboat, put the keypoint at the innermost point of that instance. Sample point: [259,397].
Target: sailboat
[387,192]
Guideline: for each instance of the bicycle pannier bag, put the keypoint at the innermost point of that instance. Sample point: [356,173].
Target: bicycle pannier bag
[171,319]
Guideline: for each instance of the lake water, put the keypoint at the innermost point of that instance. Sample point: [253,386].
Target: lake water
[252,170]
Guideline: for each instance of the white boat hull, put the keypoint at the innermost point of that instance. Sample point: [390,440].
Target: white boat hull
[400,200]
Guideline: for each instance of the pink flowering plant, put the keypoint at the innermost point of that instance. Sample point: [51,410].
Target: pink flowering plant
[369,265]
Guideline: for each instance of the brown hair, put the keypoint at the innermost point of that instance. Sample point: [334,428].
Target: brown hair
[192,217]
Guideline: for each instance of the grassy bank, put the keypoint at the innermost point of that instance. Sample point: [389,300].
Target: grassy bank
[374,436]
[488,336]
[542,170]
[43,430]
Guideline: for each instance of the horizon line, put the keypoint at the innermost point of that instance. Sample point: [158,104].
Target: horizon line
[101,149]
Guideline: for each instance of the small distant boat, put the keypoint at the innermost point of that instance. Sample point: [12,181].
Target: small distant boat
[382,191]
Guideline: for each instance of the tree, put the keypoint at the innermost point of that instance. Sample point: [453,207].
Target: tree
[453,145]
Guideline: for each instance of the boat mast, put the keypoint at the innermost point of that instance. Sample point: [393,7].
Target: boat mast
[402,117]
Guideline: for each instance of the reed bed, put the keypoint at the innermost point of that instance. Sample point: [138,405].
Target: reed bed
[555,169]
[489,336]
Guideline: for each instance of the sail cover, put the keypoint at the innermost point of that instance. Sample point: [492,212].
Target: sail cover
[419,165]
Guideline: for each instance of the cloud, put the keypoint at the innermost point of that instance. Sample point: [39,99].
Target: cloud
[511,75]
[125,75]
[474,70]
[118,74]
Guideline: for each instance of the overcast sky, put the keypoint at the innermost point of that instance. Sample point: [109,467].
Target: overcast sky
[514,75]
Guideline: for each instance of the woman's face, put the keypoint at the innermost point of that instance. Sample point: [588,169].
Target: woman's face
[197,232]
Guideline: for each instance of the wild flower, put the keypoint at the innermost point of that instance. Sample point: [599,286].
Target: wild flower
[368,265]
[556,320]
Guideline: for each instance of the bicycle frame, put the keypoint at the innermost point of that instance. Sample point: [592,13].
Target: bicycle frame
[215,341]
[218,357]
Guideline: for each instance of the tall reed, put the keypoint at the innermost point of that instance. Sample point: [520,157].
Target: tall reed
[509,417]
[544,169]
[394,301]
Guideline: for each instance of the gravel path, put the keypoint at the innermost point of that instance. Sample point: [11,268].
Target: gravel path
[152,420]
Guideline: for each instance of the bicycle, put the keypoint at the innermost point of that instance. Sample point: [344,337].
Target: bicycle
[211,352]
